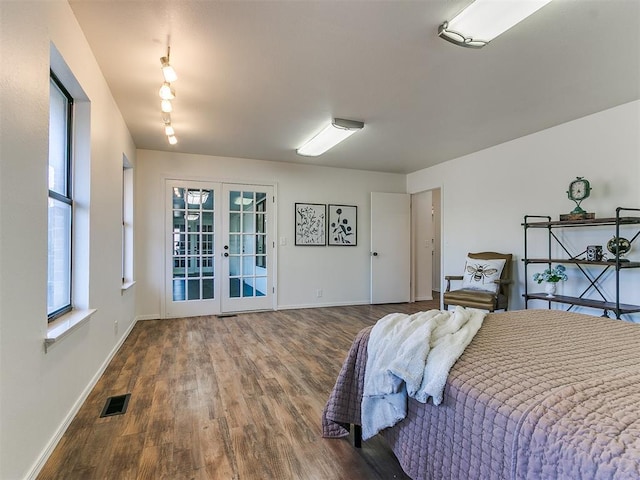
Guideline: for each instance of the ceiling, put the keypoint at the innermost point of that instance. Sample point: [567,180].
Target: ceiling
[256,79]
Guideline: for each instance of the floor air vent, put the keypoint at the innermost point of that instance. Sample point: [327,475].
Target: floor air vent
[115,405]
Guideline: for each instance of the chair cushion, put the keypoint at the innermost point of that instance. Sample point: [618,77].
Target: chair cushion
[471,298]
[480,274]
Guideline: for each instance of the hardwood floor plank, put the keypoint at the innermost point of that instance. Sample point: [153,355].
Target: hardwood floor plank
[225,398]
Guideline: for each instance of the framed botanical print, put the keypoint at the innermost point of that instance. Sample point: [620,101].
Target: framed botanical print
[310,223]
[342,227]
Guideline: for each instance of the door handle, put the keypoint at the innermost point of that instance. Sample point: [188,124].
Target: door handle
[374,254]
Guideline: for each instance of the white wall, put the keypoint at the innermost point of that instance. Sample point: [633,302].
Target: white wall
[342,273]
[39,391]
[483,208]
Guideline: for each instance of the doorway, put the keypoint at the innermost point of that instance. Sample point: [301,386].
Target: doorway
[425,244]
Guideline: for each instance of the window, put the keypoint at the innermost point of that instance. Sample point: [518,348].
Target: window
[60,200]
[127,223]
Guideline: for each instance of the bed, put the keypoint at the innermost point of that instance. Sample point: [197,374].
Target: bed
[537,394]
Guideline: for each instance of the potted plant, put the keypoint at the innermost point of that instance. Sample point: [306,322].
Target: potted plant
[551,276]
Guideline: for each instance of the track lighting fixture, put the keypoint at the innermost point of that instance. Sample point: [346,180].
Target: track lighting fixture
[167,94]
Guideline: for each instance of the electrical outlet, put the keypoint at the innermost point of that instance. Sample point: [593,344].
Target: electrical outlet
[115,327]
[319,293]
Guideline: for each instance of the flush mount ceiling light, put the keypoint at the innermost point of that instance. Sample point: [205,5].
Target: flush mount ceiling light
[329,137]
[197,197]
[243,201]
[484,20]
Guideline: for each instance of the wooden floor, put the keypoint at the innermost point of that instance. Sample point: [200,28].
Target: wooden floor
[225,398]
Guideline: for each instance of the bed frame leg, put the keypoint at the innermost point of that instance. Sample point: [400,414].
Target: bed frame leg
[357,436]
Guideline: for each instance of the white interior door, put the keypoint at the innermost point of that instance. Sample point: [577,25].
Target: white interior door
[247,251]
[219,249]
[390,247]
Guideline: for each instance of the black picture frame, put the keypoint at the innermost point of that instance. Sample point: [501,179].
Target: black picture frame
[310,224]
[342,226]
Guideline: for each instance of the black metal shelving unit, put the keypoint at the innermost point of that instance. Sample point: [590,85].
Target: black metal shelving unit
[593,271]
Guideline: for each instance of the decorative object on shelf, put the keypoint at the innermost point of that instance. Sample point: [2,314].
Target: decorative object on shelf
[310,221]
[551,276]
[343,225]
[619,247]
[579,189]
[550,289]
[594,253]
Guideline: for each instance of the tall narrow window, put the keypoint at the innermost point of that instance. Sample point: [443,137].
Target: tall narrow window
[127,223]
[60,199]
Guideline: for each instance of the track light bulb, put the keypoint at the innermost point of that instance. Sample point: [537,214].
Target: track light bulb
[169,131]
[172,139]
[167,70]
[166,92]
[166,106]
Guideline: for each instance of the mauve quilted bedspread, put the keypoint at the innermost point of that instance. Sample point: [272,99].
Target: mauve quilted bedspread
[538,394]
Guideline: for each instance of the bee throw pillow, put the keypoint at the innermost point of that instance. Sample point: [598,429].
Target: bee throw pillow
[482,274]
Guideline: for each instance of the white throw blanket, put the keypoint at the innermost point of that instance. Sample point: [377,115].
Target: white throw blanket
[411,355]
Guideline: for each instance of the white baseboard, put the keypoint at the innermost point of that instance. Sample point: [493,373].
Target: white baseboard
[53,442]
[320,305]
[148,317]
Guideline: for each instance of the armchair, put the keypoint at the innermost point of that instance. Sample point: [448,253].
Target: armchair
[484,286]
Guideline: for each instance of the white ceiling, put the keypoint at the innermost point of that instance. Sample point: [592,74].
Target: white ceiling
[258,78]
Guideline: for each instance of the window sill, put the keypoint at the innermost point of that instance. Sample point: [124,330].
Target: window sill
[126,286]
[60,328]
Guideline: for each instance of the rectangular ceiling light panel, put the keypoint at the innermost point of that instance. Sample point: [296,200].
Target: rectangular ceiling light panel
[334,133]
[484,20]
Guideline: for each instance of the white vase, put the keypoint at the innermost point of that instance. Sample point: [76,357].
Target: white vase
[550,288]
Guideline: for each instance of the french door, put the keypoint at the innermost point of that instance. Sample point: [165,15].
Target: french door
[218,248]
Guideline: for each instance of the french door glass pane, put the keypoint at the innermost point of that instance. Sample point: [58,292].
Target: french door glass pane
[261,286]
[193,244]
[234,244]
[247,266]
[179,293]
[207,288]
[59,256]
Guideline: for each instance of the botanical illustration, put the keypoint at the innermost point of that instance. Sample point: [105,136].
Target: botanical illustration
[310,224]
[343,225]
